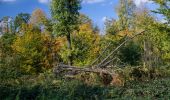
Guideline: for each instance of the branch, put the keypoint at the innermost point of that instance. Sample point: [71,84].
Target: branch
[105,64]
[101,54]
[117,48]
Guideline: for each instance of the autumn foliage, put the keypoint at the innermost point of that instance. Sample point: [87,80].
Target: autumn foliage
[31,46]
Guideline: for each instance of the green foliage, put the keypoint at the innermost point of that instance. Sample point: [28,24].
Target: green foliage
[131,54]
[21,18]
[5,43]
[27,57]
[164,9]
[125,12]
[29,47]
[34,50]
[85,45]
[65,15]
[66,19]
[38,18]
[8,60]
[72,89]
[111,27]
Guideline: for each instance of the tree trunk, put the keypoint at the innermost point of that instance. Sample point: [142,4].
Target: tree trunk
[7,28]
[147,54]
[70,60]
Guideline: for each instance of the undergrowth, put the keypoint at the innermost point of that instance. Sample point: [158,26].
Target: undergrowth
[78,90]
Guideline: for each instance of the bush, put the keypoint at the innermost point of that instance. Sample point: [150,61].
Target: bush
[46,87]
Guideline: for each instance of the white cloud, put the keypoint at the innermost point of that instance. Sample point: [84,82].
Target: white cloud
[43,1]
[104,19]
[139,2]
[7,0]
[93,1]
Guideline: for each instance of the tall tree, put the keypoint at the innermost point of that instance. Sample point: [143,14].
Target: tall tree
[38,18]
[7,24]
[125,23]
[125,13]
[20,19]
[65,13]
[164,9]
[85,42]
[34,57]
[111,26]
[155,40]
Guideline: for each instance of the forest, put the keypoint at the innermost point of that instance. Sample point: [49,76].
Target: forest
[66,57]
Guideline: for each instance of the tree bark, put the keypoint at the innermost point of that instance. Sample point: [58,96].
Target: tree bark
[70,60]
[61,68]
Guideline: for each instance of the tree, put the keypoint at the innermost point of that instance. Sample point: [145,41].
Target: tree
[7,24]
[65,14]
[125,24]
[85,42]
[48,26]
[29,49]
[155,40]
[8,62]
[164,9]
[38,18]
[111,26]
[21,18]
[125,11]
[35,50]
[84,19]
[5,45]
[164,28]
[131,54]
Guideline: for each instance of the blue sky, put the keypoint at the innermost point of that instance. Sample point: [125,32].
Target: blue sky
[97,10]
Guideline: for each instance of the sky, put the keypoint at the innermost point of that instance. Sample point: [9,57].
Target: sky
[97,10]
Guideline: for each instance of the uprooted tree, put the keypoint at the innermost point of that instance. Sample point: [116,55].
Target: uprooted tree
[100,68]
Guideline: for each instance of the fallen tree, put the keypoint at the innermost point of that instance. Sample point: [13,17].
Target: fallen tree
[108,76]
[64,68]
[100,69]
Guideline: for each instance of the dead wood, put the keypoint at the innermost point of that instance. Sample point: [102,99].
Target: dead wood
[118,47]
[99,68]
[62,68]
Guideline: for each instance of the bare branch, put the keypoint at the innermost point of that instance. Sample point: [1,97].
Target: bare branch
[118,47]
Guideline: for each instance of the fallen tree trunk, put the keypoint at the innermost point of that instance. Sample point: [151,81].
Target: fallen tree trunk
[63,68]
[108,77]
